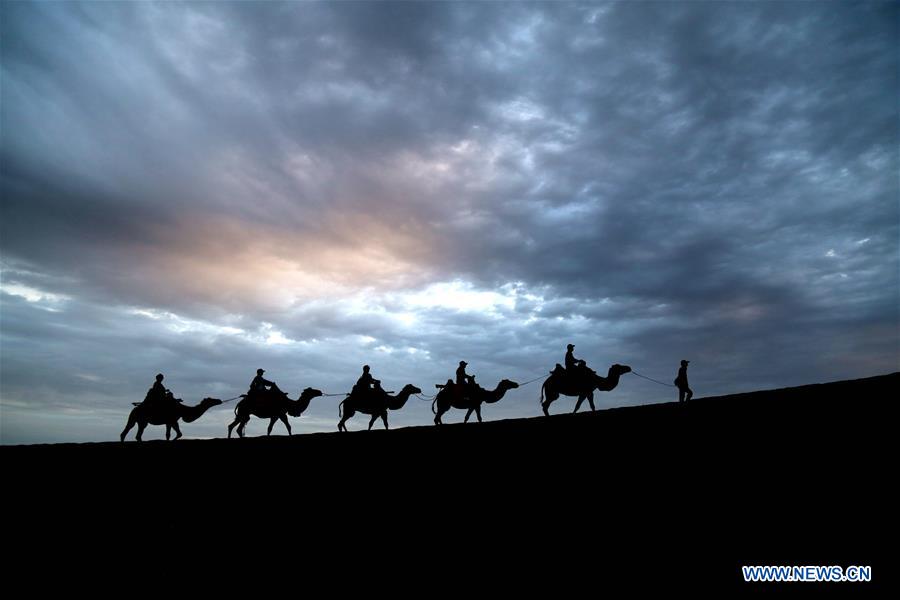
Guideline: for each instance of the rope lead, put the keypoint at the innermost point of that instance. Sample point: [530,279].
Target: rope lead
[533,380]
[651,379]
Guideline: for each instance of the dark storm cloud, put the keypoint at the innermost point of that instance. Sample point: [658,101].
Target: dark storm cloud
[203,187]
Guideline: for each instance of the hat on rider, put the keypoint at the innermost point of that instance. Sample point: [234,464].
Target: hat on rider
[570,347]
[685,362]
[365,367]
[462,362]
[159,376]
[260,371]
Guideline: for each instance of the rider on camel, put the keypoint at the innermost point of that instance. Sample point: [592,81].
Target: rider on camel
[464,382]
[260,384]
[366,382]
[574,366]
[157,395]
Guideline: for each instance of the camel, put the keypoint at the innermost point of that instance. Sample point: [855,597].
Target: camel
[375,402]
[275,405]
[447,398]
[167,414]
[559,383]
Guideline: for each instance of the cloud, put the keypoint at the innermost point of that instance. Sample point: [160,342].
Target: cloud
[206,188]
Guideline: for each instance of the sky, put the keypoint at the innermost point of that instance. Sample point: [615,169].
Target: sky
[204,189]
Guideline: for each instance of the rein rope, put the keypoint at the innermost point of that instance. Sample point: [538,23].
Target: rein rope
[533,380]
[651,379]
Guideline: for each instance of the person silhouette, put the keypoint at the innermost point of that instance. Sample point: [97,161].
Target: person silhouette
[684,392]
[464,381]
[259,384]
[573,365]
[156,395]
[462,378]
[366,382]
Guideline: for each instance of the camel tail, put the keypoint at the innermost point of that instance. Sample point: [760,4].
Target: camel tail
[543,385]
[341,409]
[433,402]
[238,404]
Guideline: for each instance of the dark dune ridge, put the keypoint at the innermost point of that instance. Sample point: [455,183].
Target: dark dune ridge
[767,477]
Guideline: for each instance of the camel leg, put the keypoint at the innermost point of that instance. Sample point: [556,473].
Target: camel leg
[437,416]
[168,431]
[241,427]
[284,420]
[545,405]
[384,418]
[478,412]
[141,427]
[230,427]
[271,425]
[177,430]
[590,399]
[128,426]
[578,404]
[372,421]
[468,414]
[342,426]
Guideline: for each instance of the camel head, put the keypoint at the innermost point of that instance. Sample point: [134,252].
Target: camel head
[494,396]
[210,402]
[310,393]
[295,408]
[618,369]
[506,384]
[397,402]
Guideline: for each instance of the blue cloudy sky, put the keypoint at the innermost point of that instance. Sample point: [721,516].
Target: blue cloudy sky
[203,189]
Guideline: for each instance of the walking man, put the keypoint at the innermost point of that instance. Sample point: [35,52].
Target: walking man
[684,392]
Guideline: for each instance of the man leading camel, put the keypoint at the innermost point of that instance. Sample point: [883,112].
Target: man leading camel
[684,392]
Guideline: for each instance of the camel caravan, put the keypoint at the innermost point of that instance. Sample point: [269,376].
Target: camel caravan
[266,401]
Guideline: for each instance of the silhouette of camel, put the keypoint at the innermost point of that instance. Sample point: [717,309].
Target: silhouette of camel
[447,399]
[144,414]
[274,405]
[374,402]
[583,387]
